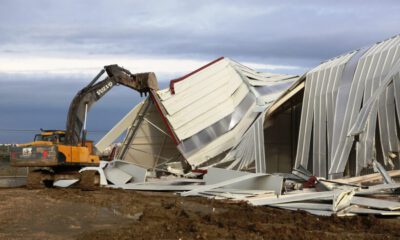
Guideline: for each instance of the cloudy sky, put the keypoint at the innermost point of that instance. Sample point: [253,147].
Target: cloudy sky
[51,49]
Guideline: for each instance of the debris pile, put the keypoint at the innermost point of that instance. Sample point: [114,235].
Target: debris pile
[375,194]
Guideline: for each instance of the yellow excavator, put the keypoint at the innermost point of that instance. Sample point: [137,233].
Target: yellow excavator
[59,154]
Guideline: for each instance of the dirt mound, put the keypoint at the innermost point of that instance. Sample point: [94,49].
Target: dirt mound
[118,214]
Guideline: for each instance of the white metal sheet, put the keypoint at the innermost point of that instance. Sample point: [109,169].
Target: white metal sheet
[63,183]
[375,203]
[116,176]
[137,173]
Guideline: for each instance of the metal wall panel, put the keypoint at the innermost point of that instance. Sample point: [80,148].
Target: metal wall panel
[368,147]
[317,112]
[335,91]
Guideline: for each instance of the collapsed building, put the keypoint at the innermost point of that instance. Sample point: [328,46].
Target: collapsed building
[213,116]
[334,120]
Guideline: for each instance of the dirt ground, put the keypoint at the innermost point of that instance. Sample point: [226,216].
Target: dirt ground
[118,214]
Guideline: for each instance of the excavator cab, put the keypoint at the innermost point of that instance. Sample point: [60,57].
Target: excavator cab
[54,136]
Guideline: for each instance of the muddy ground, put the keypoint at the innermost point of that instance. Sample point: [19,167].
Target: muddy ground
[118,214]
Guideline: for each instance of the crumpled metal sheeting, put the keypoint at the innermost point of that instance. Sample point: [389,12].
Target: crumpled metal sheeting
[371,105]
[307,114]
[218,178]
[385,65]
[376,203]
[320,151]
[256,78]
[271,93]
[211,115]
[367,211]
[250,149]
[121,172]
[116,175]
[117,172]
[266,87]
[207,135]
[396,84]
[334,93]
[348,97]
[205,138]
[343,201]
[348,102]
[368,139]
[204,156]
[386,110]
[260,189]
[387,126]
[383,59]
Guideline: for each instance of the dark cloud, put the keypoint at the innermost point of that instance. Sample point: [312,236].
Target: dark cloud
[279,31]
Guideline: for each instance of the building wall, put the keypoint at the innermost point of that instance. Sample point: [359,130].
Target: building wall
[280,140]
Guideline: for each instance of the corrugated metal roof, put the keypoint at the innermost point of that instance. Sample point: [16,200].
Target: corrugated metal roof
[208,111]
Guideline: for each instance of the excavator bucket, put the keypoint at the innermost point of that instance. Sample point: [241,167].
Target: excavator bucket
[141,82]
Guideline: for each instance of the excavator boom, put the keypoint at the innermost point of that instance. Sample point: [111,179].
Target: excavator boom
[85,98]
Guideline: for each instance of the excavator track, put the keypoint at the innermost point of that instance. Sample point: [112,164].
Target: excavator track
[89,181]
[39,180]
[34,180]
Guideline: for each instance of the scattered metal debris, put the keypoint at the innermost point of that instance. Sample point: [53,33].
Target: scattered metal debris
[261,189]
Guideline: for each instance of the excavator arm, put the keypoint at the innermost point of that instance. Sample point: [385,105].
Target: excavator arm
[85,98]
